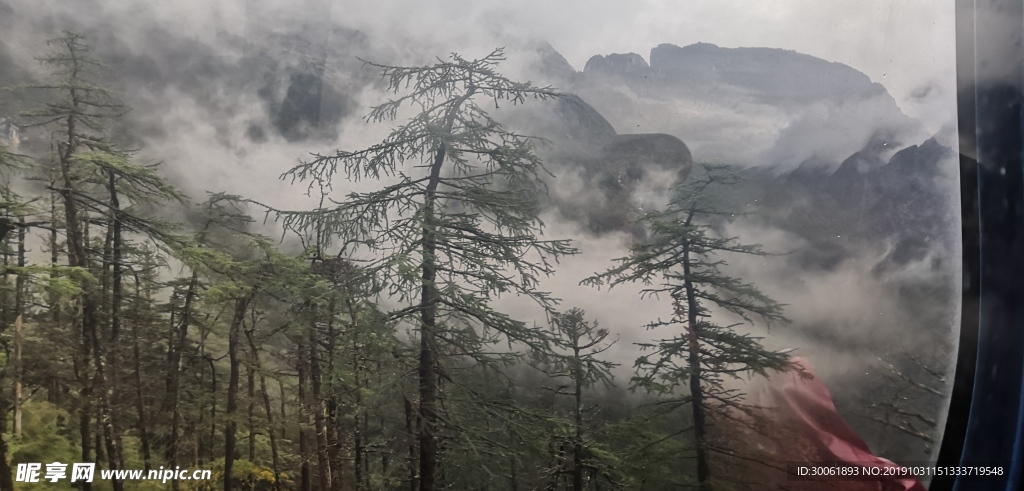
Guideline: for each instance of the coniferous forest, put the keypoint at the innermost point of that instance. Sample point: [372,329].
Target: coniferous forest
[397,334]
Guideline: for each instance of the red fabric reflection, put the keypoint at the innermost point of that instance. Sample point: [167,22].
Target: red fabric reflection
[804,426]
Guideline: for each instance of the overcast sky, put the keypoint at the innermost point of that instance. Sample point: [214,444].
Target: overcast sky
[906,45]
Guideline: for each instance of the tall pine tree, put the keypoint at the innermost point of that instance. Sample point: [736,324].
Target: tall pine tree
[683,264]
[456,226]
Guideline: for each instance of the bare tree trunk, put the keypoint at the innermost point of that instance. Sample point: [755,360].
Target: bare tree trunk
[317,406]
[427,372]
[174,368]
[54,251]
[6,479]
[101,388]
[306,483]
[98,446]
[428,350]
[113,394]
[577,444]
[241,306]
[696,391]
[385,457]
[213,408]
[19,306]
[339,478]
[140,403]
[251,410]
[428,361]
[359,433]
[333,429]
[410,429]
[54,299]
[198,428]
[366,458]
[275,458]
[17,379]
[85,410]
[284,414]
[78,257]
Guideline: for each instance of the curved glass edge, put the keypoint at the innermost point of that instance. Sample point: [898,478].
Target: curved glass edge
[986,413]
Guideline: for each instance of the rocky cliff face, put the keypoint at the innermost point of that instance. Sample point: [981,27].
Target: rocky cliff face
[748,106]
[902,204]
[771,75]
[838,200]
[605,176]
[866,199]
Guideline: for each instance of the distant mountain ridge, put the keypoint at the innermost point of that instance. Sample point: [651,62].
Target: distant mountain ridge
[748,106]
[813,138]
[898,201]
[715,100]
[772,75]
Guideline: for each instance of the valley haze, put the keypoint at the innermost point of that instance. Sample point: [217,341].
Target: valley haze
[840,116]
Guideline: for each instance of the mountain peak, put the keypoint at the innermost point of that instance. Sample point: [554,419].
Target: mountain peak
[551,63]
[694,46]
[778,73]
[617,64]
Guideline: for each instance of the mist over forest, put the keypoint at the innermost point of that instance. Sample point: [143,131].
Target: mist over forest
[205,269]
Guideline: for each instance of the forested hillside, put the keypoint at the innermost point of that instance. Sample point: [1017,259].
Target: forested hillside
[302,244]
[366,346]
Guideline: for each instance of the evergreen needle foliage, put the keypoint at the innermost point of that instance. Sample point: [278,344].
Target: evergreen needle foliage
[140,329]
[577,363]
[683,264]
[459,225]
